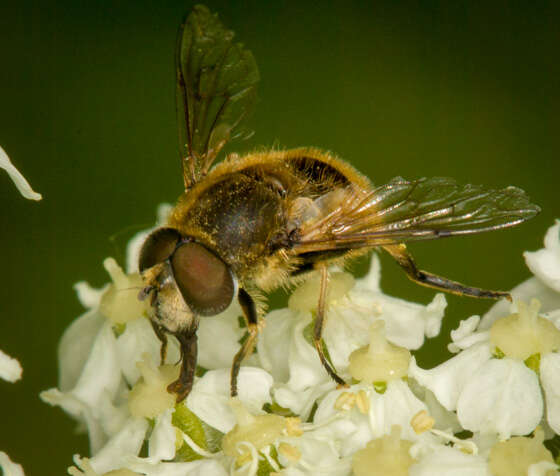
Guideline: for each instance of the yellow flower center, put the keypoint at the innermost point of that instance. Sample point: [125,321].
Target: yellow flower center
[120,302]
[525,333]
[381,361]
[385,456]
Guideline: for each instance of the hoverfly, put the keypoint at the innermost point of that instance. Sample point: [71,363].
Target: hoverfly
[256,222]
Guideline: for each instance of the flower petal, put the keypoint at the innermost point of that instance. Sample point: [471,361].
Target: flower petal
[273,342]
[447,380]
[543,468]
[406,323]
[305,366]
[88,296]
[527,290]
[502,397]
[75,347]
[204,467]
[101,372]
[354,429]
[550,379]
[137,340]
[210,396]
[79,410]
[218,338]
[8,466]
[126,442]
[545,263]
[447,461]
[18,179]
[162,439]
[301,402]
[319,456]
[10,368]
[99,380]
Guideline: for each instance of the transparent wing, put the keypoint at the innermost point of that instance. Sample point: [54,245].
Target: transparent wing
[216,90]
[423,209]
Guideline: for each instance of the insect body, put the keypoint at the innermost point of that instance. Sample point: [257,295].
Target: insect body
[254,223]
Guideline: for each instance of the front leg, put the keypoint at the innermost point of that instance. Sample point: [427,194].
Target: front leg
[183,385]
[251,318]
[159,331]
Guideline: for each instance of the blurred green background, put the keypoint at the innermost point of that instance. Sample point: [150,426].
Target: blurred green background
[462,89]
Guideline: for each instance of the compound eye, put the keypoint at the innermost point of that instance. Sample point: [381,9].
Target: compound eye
[158,247]
[204,280]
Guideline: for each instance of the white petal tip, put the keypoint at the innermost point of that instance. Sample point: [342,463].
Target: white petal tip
[18,179]
[10,368]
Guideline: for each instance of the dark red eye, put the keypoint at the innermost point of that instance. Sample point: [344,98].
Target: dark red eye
[204,280]
[158,247]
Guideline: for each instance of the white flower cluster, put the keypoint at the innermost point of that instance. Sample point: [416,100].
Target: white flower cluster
[485,411]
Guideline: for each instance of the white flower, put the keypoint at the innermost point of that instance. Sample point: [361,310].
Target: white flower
[18,179]
[500,395]
[285,349]
[289,417]
[367,414]
[349,318]
[545,285]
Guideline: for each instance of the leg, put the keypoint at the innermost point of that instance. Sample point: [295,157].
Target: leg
[183,385]
[162,336]
[250,314]
[405,260]
[318,328]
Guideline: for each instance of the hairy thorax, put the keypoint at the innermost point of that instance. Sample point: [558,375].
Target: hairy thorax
[247,211]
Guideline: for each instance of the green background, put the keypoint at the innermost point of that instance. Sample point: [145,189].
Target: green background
[462,89]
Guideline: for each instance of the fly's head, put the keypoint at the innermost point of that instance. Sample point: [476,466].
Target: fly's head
[183,280]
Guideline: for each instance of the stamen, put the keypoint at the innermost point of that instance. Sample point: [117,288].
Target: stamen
[345,401]
[266,453]
[290,452]
[422,422]
[254,465]
[362,402]
[315,426]
[197,449]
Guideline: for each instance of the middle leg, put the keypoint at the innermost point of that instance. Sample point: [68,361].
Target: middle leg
[318,327]
[251,318]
